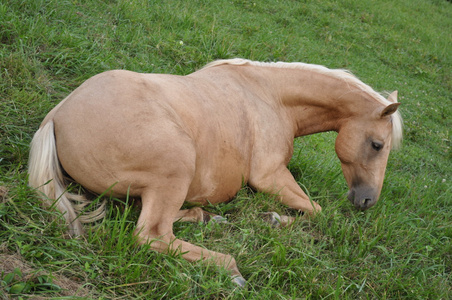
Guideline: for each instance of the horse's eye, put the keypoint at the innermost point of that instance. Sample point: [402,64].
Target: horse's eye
[377,146]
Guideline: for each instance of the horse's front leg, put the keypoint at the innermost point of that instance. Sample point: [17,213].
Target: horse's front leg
[282,184]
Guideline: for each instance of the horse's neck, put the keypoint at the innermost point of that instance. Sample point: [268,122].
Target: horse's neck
[315,102]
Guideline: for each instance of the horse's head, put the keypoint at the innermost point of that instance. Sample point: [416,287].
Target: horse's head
[363,145]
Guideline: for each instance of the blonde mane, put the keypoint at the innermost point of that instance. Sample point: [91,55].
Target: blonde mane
[342,74]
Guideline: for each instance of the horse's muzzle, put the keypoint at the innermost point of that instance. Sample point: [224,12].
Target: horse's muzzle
[363,197]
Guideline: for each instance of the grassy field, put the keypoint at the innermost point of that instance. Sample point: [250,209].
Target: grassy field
[399,249]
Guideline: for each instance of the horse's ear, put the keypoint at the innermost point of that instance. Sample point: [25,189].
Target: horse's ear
[389,110]
[393,97]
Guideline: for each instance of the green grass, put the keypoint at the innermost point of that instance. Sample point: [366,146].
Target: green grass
[399,249]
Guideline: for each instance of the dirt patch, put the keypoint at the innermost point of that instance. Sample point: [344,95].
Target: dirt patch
[10,262]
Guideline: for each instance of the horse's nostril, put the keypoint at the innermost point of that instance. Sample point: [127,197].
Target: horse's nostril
[363,197]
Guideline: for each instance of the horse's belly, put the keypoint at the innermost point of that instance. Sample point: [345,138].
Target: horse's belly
[213,193]
[218,183]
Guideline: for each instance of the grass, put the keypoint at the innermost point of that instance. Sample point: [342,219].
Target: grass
[399,249]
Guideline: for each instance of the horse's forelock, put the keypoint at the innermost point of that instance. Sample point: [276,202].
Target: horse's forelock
[397,123]
[397,130]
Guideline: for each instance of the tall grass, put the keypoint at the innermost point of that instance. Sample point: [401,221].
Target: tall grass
[399,249]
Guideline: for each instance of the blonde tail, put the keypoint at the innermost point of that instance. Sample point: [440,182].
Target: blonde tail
[46,175]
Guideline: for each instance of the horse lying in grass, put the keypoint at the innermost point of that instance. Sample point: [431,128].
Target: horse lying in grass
[170,139]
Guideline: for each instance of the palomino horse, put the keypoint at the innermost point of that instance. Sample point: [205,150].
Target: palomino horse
[197,138]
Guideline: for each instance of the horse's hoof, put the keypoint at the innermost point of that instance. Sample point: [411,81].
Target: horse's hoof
[273,218]
[239,280]
[276,220]
[219,219]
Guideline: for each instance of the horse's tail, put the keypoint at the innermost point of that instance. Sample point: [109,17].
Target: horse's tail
[46,176]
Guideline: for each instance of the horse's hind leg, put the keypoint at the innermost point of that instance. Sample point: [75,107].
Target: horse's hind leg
[155,226]
[196,214]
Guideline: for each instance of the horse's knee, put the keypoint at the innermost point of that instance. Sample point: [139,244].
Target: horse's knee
[314,209]
[157,233]
[197,214]
[157,242]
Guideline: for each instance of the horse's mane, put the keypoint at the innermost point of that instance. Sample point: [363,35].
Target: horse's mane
[342,74]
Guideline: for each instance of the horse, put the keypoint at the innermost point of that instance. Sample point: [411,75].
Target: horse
[198,138]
